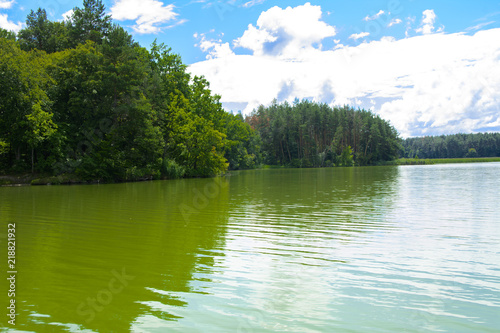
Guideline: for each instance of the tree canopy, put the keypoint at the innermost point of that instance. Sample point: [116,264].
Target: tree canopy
[453,146]
[308,134]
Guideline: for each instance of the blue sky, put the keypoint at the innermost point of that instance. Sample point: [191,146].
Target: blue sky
[429,67]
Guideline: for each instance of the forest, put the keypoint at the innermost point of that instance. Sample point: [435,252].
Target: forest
[308,134]
[452,146]
[81,97]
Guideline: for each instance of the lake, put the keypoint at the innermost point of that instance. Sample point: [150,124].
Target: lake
[368,249]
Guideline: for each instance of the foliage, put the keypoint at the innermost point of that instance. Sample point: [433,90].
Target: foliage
[89,23]
[172,170]
[452,146]
[346,158]
[7,34]
[308,134]
[81,98]
[42,34]
[243,144]
[25,108]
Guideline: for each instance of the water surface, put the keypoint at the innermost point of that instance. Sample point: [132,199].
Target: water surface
[376,249]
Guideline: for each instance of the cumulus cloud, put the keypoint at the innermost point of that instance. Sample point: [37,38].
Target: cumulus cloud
[427,84]
[428,19]
[360,35]
[9,25]
[67,15]
[5,23]
[214,48]
[394,22]
[6,4]
[150,16]
[286,32]
[374,16]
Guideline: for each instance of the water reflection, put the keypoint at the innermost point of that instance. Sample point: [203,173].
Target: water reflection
[385,249]
[79,241]
[287,231]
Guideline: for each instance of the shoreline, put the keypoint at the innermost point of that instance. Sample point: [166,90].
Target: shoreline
[71,179]
[430,161]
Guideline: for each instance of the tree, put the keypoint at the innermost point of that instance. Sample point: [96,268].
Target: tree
[25,108]
[346,157]
[453,146]
[40,126]
[311,134]
[7,34]
[242,144]
[42,34]
[89,23]
[37,31]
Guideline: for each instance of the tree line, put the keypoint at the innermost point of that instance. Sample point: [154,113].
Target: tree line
[82,97]
[309,134]
[452,146]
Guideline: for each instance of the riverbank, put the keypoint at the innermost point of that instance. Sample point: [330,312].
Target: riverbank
[39,179]
[422,161]
[70,179]
[64,179]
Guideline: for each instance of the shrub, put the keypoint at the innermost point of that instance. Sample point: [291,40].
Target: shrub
[171,170]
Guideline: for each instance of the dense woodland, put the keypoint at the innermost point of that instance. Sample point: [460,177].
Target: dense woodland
[81,97]
[308,134]
[452,146]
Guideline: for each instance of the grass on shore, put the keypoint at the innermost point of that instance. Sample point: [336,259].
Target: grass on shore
[421,161]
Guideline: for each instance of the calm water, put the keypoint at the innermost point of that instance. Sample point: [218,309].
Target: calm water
[378,249]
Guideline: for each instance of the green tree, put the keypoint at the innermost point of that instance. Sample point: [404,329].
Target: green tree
[7,34]
[89,23]
[40,127]
[242,144]
[311,134]
[346,158]
[25,108]
[42,34]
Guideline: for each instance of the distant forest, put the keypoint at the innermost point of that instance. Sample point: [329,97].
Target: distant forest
[452,146]
[308,134]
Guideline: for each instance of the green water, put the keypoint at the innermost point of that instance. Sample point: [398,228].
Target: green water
[377,249]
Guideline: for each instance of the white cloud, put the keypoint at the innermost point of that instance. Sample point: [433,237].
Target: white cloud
[214,48]
[253,3]
[67,15]
[6,4]
[360,35]
[428,19]
[374,16]
[480,26]
[4,19]
[427,84]
[9,25]
[149,15]
[394,22]
[286,32]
